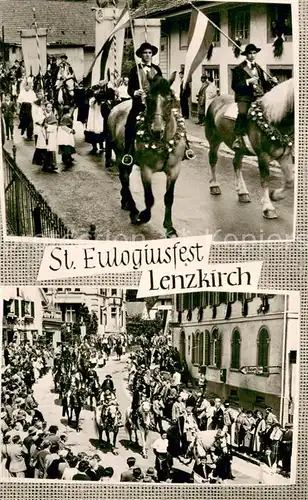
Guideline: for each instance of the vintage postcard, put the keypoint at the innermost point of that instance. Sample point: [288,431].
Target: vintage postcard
[152,121]
[199,388]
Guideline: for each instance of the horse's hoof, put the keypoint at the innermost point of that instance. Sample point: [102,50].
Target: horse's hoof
[270,214]
[171,233]
[244,198]
[134,218]
[125,205]
[143,217]
[215,190]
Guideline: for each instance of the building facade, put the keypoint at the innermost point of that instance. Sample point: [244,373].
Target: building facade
[246,345]
[256,23]
[29,316]
[108,304]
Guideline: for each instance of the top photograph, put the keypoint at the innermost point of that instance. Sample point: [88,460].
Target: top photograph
[145,119]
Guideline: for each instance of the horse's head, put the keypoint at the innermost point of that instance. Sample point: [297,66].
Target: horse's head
[159,103]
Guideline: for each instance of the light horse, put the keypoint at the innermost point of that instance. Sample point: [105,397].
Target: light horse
[108,421]
[160,146]
[141,422]
[275,111]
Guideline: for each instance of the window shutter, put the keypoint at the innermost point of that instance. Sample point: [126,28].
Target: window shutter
[16,307]
[22,309]
[207,346]
[32,309]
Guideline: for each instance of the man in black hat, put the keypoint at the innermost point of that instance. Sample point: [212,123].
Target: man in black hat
[147,70]
[249,82]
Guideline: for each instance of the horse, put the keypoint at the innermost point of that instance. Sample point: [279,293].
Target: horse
[160,145]
[75,404]
[64,90]
[273,112]
[119,350]
[140,420]
[108,421]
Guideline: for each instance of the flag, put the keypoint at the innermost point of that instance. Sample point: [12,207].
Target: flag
[122,23]
[200,37]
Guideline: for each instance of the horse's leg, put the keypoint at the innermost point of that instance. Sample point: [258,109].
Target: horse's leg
[107,436]
[127,200]
[242,191]
[172,176]
[146,177]
[268,208]
[108,151]
[213,156]
[286,164]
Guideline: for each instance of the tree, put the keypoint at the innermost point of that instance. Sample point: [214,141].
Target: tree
[138,327]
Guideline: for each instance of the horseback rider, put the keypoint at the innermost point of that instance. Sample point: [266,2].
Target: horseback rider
[147,71]
[108,384]
[249,82]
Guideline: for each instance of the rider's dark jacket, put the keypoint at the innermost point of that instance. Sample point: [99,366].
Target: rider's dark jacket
[133,83]
[244,92]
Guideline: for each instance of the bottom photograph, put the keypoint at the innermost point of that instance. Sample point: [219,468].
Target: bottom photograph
[98,385]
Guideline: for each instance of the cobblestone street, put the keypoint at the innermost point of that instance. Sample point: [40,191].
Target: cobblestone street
[86,440]
[89,194]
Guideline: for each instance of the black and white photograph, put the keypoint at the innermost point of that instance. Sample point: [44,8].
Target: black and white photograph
[198,388]
[145,119]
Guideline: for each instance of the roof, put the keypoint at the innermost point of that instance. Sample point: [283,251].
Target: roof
[152,8]
[136,308]
[67,22]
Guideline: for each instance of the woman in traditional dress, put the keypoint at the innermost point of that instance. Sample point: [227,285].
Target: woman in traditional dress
[94,133]
[38,115]
[66,137]
[210,92]
[51,126]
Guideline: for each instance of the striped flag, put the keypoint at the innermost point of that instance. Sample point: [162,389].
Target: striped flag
[200,37]
[122,23]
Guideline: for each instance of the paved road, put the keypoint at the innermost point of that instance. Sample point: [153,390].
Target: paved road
[88,193]
[86,440]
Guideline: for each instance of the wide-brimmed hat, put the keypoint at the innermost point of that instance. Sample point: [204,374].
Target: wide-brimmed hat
[63,56]
[250,48]
[145,46]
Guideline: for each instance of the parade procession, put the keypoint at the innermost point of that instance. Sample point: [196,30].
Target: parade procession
[98,96]
[97,386]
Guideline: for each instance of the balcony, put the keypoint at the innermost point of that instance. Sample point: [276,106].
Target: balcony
[52,315]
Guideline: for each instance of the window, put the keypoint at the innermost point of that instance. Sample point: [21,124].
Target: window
[201,348]
[279,21]
[194,351]
[216,349]
[281,72]
[207,348]
[215,17]
[212,72]
[101,316]
[236,350]
[70,314]
[239,24]
[113,291]
[263,348]
[113,312]
[184,28]
[77,289]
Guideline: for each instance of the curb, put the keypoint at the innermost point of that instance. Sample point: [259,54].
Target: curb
[228,153]
[247,458]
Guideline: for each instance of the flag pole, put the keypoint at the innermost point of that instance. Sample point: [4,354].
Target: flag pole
[38,46]
[224,34]
[134,44]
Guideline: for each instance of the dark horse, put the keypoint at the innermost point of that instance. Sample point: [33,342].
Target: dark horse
[278,111]
[160,145]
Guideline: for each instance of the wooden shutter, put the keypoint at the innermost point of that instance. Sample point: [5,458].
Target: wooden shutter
[207,347]
[16,306]
[32,309]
